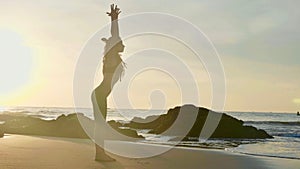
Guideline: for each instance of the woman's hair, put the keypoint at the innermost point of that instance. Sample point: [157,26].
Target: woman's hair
[110,44]
[111,51]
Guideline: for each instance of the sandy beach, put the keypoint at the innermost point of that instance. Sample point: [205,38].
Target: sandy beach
[32,152]
[157,84]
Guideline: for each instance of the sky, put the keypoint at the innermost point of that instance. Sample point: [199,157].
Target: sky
[257,42]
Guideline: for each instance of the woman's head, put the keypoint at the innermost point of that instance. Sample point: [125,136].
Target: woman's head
[113,45]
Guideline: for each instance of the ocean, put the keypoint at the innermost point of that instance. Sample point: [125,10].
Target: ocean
[284,127]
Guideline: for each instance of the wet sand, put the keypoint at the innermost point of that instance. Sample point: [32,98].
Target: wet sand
[32,152]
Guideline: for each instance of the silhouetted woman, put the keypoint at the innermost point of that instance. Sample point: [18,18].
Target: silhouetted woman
[113,68]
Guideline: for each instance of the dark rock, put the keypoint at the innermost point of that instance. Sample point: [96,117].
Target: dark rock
[124,130]
[228,127]
[1,130]
[63,126]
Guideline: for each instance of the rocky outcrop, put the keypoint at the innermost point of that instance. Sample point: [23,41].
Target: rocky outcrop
[1,130]
[124,130]
[63,126]
[228,127]
[69,126]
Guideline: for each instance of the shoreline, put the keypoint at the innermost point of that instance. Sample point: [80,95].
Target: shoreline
[162,144]
[223,149]
[34,152]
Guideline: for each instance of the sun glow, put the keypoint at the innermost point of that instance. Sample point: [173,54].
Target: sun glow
[16,68]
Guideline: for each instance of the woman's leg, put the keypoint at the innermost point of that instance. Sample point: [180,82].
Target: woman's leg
[99,101]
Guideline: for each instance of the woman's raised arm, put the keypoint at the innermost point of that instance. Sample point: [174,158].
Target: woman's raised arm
[114,14]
